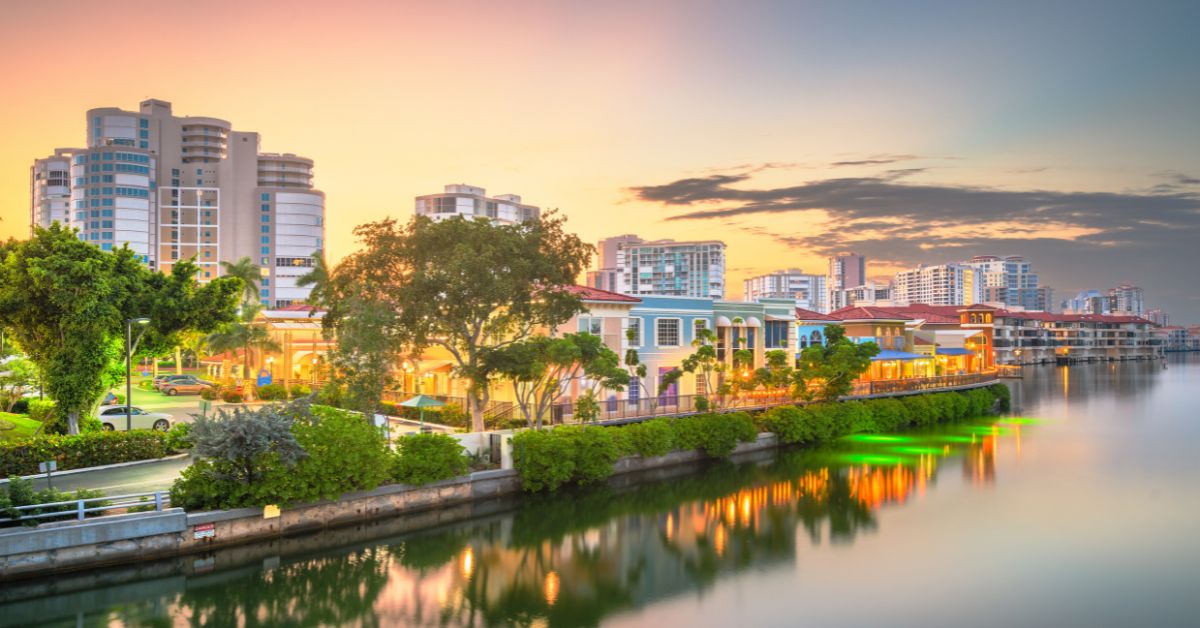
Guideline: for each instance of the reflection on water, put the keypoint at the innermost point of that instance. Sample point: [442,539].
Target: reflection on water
[609,552]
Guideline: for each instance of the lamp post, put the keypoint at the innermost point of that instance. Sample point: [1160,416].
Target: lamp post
[129,346]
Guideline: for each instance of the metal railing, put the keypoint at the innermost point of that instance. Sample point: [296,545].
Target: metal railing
[80,508]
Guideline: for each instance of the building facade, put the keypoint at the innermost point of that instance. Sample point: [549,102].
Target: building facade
[846,270]
[606,273]
[1006,281]
[944,284]
[1127,299]
[808,291]
[469,201]
[178,187]
[872,293]
[670,268]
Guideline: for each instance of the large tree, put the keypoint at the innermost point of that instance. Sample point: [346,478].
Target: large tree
[464,285]
[826,372]
[248,273]
[244,333]
[66,302]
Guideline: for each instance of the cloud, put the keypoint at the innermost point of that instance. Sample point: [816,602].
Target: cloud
[875,160]
[1075,239]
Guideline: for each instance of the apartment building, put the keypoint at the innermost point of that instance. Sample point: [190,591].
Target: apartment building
[808,291]
[667,267]
[469,201]
[1006,281]
[178,187]
[1127,299]
[1039,337]
[846,270]
[944,284]
[871,293]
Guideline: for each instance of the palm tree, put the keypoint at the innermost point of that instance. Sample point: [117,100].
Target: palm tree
[244,334]
[246,270]
[318,278]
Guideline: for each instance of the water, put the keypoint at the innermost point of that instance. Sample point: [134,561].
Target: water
[1079,510]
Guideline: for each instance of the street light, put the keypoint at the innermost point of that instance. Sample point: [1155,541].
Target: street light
[129,347]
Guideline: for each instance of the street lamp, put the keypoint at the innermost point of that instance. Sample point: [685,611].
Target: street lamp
[129,347]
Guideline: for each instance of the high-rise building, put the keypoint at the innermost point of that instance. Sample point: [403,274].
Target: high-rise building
[807,290]
[1005,281]
[1158,317]
[1045,299]
[174,188]
[1127,299]
[605,275]
[671,268]
[470,201]
[870,294]
[944,284]
[1089,302]
[846,270]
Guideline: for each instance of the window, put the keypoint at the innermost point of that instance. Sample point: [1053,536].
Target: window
[636,325]
[144,123]
[265,292]
[266,218]
[266,207]
[777,334]
[666,333]
[144,134]
[698,325]
[266,250]
[265,281]
[266,196]
[266,228]
[591,324]
[265,239]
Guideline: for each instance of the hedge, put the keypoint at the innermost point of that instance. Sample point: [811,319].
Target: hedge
[424,458]
[91,449]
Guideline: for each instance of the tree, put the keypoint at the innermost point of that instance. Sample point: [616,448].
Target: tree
[318,278]
[777,373]
[541,366]
[247,272]
[66,304]
[244,333]
[467,286]
[365,353]
[16,375]
[704,363]
[244,437]
[826,372]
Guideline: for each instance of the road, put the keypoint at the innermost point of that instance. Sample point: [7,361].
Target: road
[140,478]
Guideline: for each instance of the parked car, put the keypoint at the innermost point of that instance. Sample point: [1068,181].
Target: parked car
[163,380]
[113,418]
[190,385]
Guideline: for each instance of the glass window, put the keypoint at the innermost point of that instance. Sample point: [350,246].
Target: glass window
[667,332]
[265,239]
[266,207]
[144,123]
[636,325]
[698,325]
[266,250]
[266,218]
[265,292]
[266,196]
[266,228]
[591,325]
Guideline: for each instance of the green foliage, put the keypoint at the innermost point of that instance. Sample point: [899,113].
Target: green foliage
[66,303]
[299,390]
[1002,392]
[650,438]
[146,384]
[232,396]
[21,456]
[179,437]
[16,376]
[826,372]
[366,352]
[247,274]
[41,410]
[793,425]
[271,392]
[544,460]
[587,408]
[21,406]
[717,435]
[20,492]
[248,439]
[211,394]
[424,458]
[243,333]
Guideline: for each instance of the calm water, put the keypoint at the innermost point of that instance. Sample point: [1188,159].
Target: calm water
[1080,510]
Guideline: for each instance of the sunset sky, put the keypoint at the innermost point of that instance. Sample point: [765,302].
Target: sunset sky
[908,131]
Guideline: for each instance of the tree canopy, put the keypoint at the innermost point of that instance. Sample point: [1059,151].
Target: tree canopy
[66,303]
[828,371]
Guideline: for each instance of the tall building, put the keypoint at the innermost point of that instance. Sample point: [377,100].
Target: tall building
[944,284]
[173,188]
[605,275]
[470,201]
[667,267]
[1158,317]
[846,270]
[807,290]
[870,294]
[1045,299]
[1005,281]
[1088,302]
[1127,299]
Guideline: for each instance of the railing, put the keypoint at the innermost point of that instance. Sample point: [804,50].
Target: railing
[80,508]
[1009,370]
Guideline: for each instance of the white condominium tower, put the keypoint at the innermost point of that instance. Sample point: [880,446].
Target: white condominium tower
[667,267]
[469,202]
[945,284]
[846,270]
[1006,281]
[176,187]
[807,290]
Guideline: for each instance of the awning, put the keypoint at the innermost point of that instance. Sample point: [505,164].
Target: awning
[723,321]
[889,354]
[752,321]
[954,351]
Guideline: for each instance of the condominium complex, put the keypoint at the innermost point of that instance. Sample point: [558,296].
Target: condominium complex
[871,293]
[1127,299]
[173,188]
[469,201]
[944,284]
[1088,302]
[807,290]
[1006,281]
[846,270]
[662,267]
[605,275]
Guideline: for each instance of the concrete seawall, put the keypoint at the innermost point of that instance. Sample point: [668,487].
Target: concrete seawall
[114,540]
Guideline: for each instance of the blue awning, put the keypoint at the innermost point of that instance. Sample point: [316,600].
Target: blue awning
[889,354]
[954,351]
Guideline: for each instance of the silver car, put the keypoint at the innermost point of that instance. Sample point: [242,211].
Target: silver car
[113,418]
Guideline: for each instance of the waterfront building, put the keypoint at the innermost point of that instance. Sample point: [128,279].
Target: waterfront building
[1040,337]
[1157,316]
[846,270]
[469,201]
[178,187]
[944,284]
[1172,338]
[807,290]
[670,268]
[1045,299]
[871,294]
[1127,299]
[1005,281]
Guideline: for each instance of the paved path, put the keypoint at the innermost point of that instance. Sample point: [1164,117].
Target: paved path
[141,478]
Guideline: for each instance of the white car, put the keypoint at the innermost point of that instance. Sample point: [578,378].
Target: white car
[113,418]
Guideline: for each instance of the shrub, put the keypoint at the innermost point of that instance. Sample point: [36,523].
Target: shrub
[717,435]
[231,396]
[1001,392]
[20,493]
[649,438]
[920,410]
[146,384]
[596,450]
[331,395]
[91,449]
[856,418]
[299,390]
[453,415]
[790,424]
[271,392]
[545,461]
[211,394]
[41,410]
[887,414]
[424,458]
[179,437]
[21,406]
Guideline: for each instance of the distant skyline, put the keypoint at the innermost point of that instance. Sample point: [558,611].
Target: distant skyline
[929,132]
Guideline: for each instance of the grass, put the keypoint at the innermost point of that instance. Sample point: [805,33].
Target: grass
[14,426]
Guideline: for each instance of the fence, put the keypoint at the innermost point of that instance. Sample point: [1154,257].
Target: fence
[80,508]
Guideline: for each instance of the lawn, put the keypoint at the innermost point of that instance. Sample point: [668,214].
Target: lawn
[14,426]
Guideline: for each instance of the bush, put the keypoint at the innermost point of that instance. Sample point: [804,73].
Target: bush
[271,392]
[1001,392]
[424,458]
[717,435]
[211,394]
[146,384]
[649,438]
[21,406]
[545,461]
[92,449]
[888,415]
[41,410]
[179,437]
[20,493]
[231,396]
[790,424]
[299,390]
[920,411]
[596,450]
[331,395]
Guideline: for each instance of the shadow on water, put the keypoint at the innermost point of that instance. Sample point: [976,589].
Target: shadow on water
[570,559]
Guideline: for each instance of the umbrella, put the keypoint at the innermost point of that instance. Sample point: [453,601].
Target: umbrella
[422,402]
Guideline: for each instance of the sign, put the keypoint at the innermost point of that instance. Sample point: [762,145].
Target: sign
[264,377]
[48,466]
[205,406]
[270,511]
[204,531]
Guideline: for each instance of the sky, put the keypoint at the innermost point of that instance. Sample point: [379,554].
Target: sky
[911,132]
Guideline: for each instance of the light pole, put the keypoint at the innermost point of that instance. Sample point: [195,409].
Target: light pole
[129,346]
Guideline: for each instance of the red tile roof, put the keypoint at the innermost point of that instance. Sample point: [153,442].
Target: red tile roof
[809,315]
[588,293]
[296,307]
[867,314]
